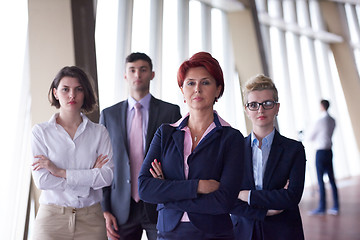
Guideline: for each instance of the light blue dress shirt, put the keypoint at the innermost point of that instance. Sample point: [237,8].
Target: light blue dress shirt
[260,157]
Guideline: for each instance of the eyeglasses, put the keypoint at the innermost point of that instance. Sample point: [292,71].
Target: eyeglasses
[267,105]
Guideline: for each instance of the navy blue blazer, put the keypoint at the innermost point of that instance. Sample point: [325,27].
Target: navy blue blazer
[286,162]
[218,156]
[116,198]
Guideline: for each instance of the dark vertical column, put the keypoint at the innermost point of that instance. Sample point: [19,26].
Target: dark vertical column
[83,16]
[263,58]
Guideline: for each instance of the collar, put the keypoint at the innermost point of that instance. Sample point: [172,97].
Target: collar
[181,123]
[145,102]
[324,114]
[267,140]
[84,122]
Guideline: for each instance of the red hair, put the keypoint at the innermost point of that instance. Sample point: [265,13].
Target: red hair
[202,59]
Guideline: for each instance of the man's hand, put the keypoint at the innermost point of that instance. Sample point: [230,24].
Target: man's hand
[111,226]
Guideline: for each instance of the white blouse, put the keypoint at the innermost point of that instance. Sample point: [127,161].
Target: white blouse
[83,184]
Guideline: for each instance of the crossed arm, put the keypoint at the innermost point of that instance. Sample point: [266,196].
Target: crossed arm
[204,186]
[244,196]
[42,162]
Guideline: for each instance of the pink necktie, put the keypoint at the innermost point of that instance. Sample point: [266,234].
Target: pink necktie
[136,150]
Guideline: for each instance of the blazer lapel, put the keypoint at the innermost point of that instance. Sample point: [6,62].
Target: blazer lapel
[122,124]
[178,137]
[208,139]
[153,118]
[274,158]
[249,162]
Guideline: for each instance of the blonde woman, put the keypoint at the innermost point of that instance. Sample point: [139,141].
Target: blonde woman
[274,176]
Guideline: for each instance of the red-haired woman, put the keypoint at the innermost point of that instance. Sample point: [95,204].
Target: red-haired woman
[201,159]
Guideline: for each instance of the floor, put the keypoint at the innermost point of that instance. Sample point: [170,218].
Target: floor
[345,226]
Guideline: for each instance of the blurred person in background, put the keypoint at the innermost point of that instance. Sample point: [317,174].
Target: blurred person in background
[321,135]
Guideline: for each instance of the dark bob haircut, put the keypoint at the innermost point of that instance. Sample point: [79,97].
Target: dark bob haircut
[202,59]
[133,57]
[74,72]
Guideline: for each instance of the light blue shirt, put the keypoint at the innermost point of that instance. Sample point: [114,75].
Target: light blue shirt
[145,103]
[260,157]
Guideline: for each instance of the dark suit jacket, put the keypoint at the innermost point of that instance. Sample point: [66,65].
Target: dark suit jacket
[286,161]
[117,197]
[218,156]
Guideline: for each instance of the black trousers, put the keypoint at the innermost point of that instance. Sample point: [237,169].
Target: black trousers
[187,231]
[324,165]
[137,223]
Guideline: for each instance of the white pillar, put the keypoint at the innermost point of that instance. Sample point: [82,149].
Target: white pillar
[265,33]
[296,67]
[183,36]
[123,47]
[311,77]
[183,30]
[206,27]
[156,36]
[281,74]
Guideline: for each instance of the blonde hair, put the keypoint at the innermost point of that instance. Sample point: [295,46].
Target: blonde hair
[258,83]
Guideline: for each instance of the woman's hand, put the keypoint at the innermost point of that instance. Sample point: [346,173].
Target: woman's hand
[272,212]
[100,161]
[43,162]
[287,184]
[204,186]
[244,195]
[207,186]
[156,170]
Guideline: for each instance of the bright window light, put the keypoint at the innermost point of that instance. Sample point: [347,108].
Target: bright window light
[170,65]
[195,28]
[141,27]
[15,123]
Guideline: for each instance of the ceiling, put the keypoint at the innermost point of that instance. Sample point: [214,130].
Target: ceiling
[229,5]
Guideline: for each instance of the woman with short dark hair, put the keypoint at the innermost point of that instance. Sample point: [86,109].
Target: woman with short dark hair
[72,162]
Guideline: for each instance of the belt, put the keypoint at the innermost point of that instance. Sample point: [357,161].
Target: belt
[66,210]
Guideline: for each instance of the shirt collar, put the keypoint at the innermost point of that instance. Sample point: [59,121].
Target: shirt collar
[181,123]
[323,114]
[267,141]
[84,122]
[145,102]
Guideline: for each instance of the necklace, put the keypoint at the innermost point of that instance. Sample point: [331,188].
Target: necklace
[195,138]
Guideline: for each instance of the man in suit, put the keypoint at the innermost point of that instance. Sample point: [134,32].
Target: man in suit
[126,216]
